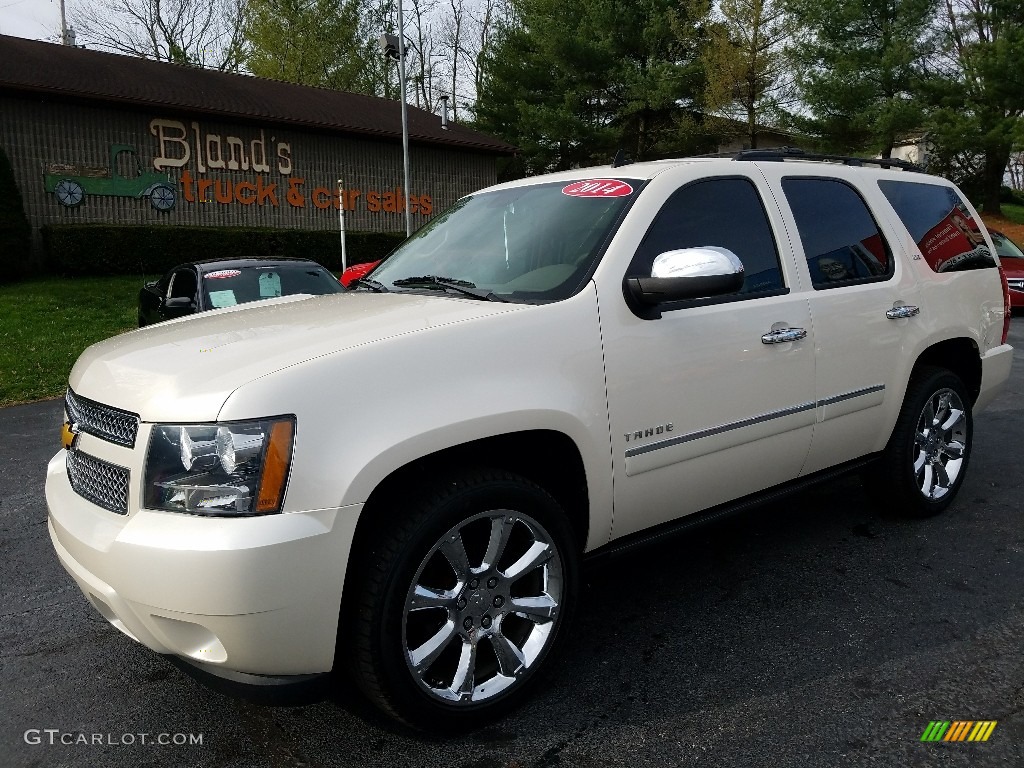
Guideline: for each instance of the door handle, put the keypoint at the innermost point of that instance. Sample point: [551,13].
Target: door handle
[782,335]
[902,311]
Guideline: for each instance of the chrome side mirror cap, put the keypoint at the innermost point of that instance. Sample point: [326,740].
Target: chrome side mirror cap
[688,273]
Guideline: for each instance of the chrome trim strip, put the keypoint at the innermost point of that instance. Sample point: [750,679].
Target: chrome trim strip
[711,431]
[850,395]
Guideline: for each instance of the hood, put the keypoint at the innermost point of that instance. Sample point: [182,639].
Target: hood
[185,369]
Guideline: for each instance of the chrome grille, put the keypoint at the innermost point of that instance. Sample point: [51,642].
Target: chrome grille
[102,421]
[103,484]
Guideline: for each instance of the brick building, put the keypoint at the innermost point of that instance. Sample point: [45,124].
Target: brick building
[102,138]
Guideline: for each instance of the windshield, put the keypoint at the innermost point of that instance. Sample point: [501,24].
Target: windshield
[227,287]
[1005,247]
[533,243]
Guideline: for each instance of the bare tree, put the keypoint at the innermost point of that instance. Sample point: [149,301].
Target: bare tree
[453,32]
[203,33]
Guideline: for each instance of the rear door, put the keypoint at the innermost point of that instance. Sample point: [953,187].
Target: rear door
[863,302]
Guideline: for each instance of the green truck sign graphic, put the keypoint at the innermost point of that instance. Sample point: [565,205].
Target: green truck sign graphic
[124,177]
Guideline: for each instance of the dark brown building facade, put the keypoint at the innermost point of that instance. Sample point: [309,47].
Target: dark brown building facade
[100,138]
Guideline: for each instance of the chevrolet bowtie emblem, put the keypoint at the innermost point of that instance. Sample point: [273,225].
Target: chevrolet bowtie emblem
[68,433]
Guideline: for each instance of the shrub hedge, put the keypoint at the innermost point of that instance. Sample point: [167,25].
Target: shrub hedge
[15,233]
[100,249]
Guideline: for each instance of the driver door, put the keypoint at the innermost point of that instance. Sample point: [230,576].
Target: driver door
[705,404]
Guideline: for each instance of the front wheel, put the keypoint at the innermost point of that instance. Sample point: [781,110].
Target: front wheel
[463,600]
[925,461]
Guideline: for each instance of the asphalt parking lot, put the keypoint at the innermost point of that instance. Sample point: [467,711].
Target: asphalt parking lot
[809,633]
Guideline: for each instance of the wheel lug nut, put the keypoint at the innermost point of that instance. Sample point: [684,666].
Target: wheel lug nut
[499,601]
[492,582]
[461,603]
[485,622]
[468,623]
[474,584]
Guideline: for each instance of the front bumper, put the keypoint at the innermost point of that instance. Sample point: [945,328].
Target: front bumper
[256,595]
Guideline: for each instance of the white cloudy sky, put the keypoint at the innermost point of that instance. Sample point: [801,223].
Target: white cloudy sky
[34,19]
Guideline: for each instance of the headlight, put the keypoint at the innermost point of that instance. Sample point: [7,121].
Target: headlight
[236,468]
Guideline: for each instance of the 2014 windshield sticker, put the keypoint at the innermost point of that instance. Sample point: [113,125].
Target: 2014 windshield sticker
[598,188]
[222,273]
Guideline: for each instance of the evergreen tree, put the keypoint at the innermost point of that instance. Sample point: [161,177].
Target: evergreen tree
[571,81]
[979,98]
[859,68]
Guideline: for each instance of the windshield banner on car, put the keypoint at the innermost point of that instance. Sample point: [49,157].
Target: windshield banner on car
[598,188]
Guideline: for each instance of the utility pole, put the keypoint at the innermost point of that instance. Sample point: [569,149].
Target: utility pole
[393,46]
[63,25]
[405,117]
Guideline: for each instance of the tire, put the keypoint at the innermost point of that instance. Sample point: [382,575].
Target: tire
[924,463]
[433,633]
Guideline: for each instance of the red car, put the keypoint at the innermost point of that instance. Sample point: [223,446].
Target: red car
[356,271]
[1011,258]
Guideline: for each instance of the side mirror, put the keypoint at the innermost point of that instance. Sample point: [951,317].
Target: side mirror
[688,273]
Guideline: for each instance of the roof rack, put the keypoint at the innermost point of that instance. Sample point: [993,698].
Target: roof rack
[779,154]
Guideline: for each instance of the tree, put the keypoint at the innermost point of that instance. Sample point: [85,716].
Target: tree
[859,67]
[978,97]
[748,74]
[325,43]
[202,33]
[571,81]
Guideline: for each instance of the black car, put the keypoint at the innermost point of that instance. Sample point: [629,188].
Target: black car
[201,285]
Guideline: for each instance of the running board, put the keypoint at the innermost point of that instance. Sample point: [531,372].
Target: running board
[705,517]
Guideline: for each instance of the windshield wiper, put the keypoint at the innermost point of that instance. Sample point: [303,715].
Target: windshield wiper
[373,285]
[464,287]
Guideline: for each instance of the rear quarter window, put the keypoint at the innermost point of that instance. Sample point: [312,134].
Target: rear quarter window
[939,221]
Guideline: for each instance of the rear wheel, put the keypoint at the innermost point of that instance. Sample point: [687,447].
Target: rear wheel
[465,597]
[924,464]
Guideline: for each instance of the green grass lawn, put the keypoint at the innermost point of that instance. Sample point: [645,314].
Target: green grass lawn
[45,325]
[1014,213]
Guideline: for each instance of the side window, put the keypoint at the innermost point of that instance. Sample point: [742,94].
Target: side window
[727,213]
[183,285]
[938,220]
[842,243]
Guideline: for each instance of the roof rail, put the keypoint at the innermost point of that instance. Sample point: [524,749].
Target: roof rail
[779,154]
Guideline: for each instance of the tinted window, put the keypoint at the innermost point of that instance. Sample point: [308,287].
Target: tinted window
[840,238]
[727,213]
[940,223]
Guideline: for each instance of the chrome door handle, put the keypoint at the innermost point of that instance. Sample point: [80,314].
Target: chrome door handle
[902,311]
[783,335]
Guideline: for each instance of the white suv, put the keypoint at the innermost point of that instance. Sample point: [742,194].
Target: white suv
[400,481]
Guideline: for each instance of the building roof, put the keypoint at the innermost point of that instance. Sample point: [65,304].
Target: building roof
[30,66]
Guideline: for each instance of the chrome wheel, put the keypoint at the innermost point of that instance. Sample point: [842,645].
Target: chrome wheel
[482,607]
[940,444]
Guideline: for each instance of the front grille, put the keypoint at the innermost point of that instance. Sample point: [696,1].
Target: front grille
[102,421]
[103,484]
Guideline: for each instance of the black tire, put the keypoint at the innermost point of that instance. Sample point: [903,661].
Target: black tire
[917,457]
[383,626]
